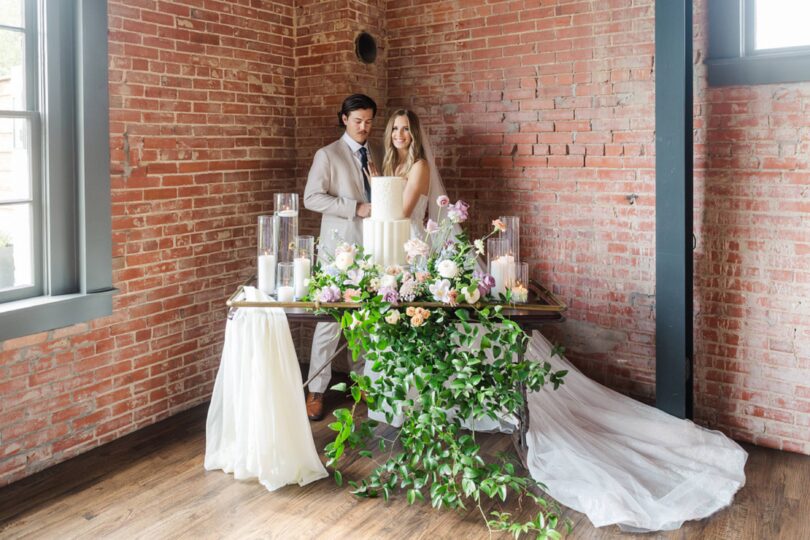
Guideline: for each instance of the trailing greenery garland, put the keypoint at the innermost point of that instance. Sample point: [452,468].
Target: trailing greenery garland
[438,372]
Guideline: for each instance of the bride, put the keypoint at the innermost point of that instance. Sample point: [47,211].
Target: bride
[405,157]
[595,450]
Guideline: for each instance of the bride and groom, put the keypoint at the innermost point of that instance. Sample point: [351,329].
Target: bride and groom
[596,451]
[338,187]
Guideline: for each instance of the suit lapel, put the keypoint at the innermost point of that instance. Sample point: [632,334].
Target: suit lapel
[354,175]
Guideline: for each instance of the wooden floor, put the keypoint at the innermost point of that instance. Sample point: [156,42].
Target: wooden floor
[152,484]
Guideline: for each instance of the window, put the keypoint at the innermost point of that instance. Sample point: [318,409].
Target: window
[19,199]
[55,231]
[780,24]
[758,41]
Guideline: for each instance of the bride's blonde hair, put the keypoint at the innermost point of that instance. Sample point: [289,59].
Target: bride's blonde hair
[415,151]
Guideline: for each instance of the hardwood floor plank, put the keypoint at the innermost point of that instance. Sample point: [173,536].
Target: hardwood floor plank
[152,484]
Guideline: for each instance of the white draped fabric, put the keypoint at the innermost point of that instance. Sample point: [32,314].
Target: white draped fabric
[257,425]
[622,462]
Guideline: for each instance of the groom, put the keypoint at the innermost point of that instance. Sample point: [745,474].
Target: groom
[338,188]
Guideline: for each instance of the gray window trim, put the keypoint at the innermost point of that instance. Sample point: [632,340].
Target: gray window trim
[732,59]
[78,283]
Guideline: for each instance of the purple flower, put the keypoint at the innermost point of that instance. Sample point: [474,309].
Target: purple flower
[458,212]
[389,295]
[485,282]
[329,294]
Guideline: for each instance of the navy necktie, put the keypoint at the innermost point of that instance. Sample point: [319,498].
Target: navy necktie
[364,165]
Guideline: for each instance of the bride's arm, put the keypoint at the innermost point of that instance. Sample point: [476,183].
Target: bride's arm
[418,184]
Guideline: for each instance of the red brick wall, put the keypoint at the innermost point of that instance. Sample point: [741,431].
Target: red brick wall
[752,263]
[545,111]
[201,126]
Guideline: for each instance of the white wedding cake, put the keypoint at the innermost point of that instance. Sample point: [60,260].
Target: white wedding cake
[387,230]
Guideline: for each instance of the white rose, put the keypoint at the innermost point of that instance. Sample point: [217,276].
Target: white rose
[473,297]
[447,269]
[392,317]
[388,281]
[344,260]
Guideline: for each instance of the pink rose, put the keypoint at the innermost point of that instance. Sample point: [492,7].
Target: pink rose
[351,295]
[442,201]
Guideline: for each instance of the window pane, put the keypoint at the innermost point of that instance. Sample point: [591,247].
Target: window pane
[12,74]
[16,246]
[11,12]
[782,23]
[15,172]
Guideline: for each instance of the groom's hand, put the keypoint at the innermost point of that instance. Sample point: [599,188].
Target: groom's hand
[363,210]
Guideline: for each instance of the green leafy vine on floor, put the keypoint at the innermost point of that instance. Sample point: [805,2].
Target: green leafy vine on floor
[435,375]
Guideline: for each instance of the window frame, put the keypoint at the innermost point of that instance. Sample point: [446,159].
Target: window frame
[32,117]
[74,183]
[732,59]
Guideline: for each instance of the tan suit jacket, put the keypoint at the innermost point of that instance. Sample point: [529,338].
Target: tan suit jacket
[334,189]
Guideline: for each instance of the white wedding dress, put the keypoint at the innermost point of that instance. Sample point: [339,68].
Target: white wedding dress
[622,462]
[257,424]
[418,217]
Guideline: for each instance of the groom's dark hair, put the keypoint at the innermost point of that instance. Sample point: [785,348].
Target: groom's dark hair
[355,102]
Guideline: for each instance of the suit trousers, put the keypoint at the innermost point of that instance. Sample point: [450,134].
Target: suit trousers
[324,344]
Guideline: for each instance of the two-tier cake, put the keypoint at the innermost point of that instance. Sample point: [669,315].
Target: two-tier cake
[387,230]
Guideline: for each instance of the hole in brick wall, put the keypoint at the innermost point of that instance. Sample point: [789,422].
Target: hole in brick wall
[365,47]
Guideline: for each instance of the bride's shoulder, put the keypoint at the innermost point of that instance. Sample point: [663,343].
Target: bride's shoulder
[419,167]
[419,176]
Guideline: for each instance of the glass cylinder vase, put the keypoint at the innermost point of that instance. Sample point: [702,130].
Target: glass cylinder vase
[302,264]
[266,263]
[285,284]
[500,265]
[286,215]
[512,235]
[520,284]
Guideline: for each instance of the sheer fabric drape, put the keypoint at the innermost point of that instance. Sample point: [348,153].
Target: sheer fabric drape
[257,425]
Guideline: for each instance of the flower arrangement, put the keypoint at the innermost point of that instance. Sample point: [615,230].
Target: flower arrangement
[443,268]
[442,361]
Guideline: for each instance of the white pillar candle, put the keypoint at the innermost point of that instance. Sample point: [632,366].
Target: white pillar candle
[285,294]
[503,271]
[267,274]
[301,273]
